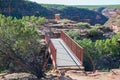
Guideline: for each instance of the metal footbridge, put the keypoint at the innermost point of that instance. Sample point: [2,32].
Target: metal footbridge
[64,51]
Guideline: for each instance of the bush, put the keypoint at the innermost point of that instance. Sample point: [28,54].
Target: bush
[97,24]
[95,32]
[84,24]
[65,21]
[73,33]
[104,53]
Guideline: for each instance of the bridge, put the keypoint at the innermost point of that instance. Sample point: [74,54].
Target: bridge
[64,51]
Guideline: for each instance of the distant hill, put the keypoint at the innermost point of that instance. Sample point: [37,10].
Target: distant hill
[19,8]
[54,6]
[91,7]
[79,14]
[106,10]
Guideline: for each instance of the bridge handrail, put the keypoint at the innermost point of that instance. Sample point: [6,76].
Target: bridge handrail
[75,48]
[52,49]
[53,53]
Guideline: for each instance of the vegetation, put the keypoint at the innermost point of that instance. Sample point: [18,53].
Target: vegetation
[84,24]
[98,25]
[64,21]
[94,7]
[91,7]
[22,8]
[88,46]
[105,53]
[113,6]
[95,32]
[19,44]
[19,39]
[101,48]
[73,33]
[82,15]
[53,6]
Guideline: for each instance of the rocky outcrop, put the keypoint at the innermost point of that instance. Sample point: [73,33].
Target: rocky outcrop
[110,12]
[114,22]
[18,76]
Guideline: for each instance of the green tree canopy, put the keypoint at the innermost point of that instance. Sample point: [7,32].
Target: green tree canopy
[19,42]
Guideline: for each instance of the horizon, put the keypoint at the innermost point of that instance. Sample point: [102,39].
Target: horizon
[78,2]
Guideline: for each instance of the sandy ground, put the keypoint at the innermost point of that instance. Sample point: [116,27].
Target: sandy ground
[76,75]
[114,74]
[96,76]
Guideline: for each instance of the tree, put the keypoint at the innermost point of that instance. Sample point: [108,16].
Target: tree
[19,43]
[99,45]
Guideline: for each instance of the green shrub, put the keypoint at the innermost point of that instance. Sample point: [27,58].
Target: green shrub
[97,24]
[95,32]
[65,21]
[84,24]
[73,33]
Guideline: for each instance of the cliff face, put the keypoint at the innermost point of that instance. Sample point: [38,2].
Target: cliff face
[114,22]
[84,15]
[110,12]
[19,8]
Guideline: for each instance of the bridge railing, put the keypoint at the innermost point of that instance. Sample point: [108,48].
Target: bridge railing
[53,53]
[75,48]
[51,49]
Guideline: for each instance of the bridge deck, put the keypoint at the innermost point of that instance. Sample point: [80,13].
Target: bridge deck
[64,57]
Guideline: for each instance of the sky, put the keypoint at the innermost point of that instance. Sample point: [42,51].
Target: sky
[79,2]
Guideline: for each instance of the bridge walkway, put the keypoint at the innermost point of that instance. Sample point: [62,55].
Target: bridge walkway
[64,56]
